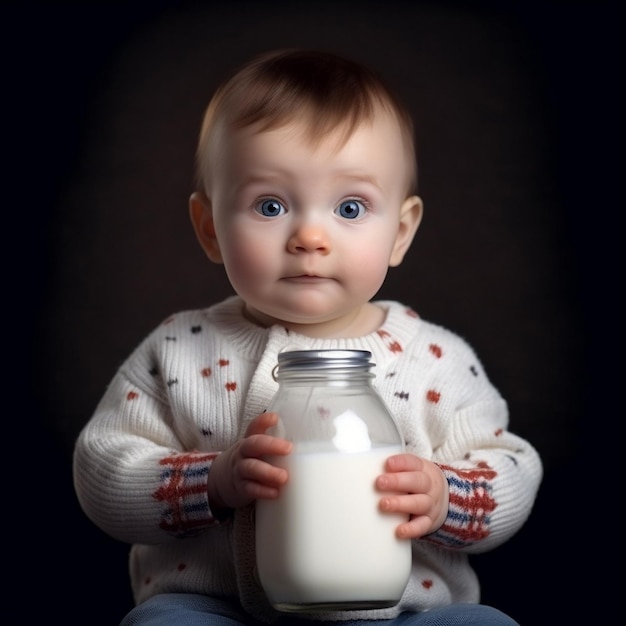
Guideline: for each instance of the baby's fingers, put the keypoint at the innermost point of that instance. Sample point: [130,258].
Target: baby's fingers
[418,509]
[261,423]
[415,528]
[263,472]
[404,463]
[260,479]
[259,446]
[404,482]
[412,504]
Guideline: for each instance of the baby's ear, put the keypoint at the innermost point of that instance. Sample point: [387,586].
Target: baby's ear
[201,213]
[410,218]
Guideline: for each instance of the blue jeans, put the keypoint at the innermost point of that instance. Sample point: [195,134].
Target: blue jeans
[191,610]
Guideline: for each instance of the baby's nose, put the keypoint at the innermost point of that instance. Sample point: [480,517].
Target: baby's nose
[309,238]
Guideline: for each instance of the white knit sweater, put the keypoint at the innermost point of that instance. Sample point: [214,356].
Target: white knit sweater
[188,392]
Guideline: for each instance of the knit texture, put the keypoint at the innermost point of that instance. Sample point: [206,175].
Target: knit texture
[189,390]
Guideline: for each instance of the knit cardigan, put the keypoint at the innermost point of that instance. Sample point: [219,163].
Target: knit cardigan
[189,390]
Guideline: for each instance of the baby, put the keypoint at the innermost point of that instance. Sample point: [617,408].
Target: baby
[306,177]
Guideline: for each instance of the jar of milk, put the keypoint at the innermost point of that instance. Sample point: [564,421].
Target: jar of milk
[324,544]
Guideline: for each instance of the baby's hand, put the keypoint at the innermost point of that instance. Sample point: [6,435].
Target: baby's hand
[422,492]
[240,475]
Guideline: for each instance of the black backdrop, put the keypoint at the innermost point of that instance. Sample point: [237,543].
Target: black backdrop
[516,109]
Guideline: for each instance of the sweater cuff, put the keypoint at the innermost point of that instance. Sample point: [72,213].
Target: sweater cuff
[470,507]
[183,494]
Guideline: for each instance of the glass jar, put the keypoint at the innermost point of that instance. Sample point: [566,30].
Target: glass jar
[323,544]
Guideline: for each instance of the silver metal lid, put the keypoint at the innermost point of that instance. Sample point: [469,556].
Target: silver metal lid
[324,359]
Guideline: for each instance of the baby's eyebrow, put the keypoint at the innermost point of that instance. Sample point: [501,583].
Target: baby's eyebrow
[340,176]
[258,179]
[359,177]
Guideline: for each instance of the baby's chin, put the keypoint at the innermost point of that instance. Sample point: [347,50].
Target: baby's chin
[355,322]
[301,311]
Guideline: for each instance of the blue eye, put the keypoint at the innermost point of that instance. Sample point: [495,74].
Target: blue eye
[270,208]
[350,209]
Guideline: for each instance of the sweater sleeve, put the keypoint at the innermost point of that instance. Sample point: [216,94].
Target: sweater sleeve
[452,414]
[493,475]
[133,476]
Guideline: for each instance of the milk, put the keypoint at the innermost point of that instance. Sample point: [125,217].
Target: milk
[324,543]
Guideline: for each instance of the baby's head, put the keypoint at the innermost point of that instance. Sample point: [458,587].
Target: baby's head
[326,94]
[306,174]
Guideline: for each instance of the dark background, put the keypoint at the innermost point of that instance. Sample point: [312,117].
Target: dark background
[516,106]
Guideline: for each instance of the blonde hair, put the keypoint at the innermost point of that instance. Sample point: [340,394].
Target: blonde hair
[325,91]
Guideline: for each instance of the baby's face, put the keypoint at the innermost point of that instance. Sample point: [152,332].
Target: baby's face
[307,233]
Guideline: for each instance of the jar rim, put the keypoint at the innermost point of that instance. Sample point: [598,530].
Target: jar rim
[324,359]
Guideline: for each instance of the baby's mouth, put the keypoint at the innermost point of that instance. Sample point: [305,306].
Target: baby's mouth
[305,278]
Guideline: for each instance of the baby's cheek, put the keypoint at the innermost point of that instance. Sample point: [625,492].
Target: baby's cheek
[368,271]
[248,255]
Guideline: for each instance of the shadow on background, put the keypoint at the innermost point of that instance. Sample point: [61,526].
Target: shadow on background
[516,112]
